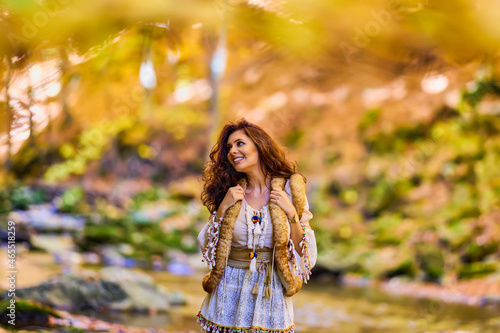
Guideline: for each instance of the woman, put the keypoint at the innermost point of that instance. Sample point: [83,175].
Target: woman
[257,242]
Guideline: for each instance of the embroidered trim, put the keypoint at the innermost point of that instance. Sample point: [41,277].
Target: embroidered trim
[216,328]
[257,222]
[209,254]
[305,272]
[292,258]
[255,231]
[305,255]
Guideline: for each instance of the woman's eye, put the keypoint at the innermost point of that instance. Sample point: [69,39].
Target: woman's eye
[229,147]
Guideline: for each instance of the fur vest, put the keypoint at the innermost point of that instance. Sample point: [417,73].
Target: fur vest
[291,282]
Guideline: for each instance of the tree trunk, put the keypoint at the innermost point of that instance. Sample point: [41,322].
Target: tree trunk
[10,117]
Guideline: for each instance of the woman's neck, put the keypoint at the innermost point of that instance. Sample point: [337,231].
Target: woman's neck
[257,184]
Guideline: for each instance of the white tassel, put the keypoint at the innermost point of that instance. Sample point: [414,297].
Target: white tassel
[253,265]
[257,230]
[265,223]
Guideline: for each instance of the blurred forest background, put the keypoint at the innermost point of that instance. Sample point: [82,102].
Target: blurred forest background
[391,108]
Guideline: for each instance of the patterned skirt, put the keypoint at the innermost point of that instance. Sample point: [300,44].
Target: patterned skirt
[237,310]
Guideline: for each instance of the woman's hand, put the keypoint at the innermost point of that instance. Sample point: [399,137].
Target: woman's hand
[233,194]
[280,198]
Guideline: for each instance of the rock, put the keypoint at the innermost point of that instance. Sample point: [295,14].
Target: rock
[27,313]
[180,269]
[43,217]
[111,289]
[109,255]
[154,211]
[142,292]
[23,236]
[177,298]
[91,258]
[490,300]
[53,243]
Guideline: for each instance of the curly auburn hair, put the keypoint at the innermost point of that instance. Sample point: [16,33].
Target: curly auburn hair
[219,174]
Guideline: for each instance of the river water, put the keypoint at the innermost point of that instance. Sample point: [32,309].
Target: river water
[326,307]
[319,306]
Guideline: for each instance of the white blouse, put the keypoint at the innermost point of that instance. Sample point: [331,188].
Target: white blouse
[240,232]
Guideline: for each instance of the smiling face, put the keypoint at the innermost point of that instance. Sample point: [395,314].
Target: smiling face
[242,152]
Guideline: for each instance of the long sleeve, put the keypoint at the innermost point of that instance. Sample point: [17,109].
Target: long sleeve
[302,265]
[208,238]
[203,236]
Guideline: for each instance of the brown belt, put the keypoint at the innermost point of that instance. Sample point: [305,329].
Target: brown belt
[240,258]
